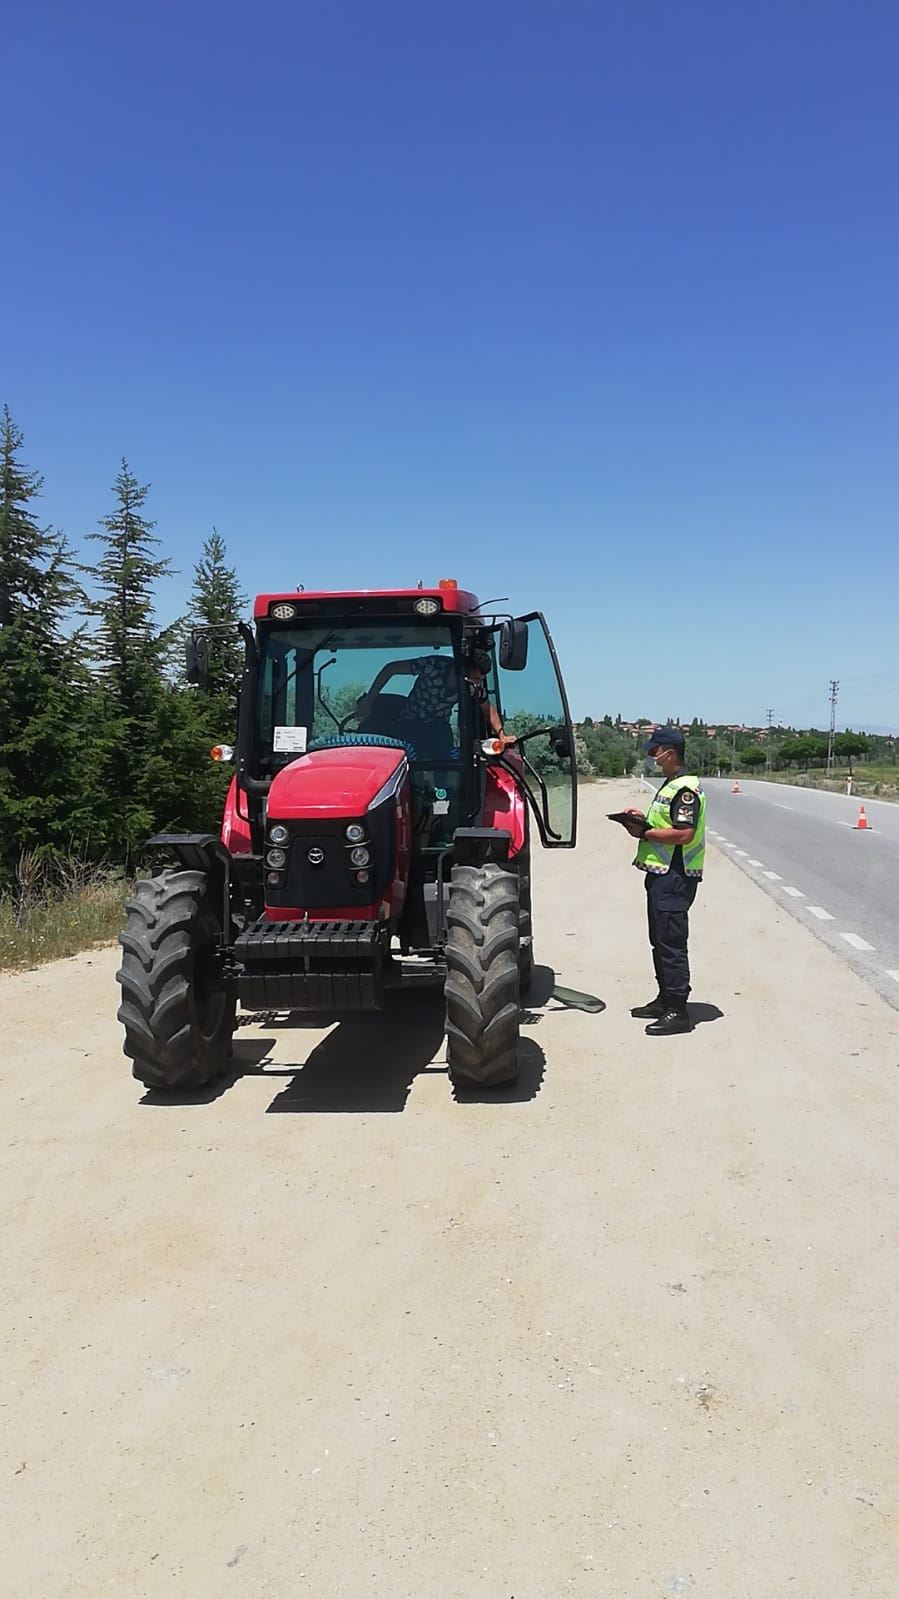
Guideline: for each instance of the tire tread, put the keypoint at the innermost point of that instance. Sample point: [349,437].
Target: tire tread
[162,1036]
[482,986]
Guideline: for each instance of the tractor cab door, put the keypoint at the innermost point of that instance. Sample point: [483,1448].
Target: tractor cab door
[534,706]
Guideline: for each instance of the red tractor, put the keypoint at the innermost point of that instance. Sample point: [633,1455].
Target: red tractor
[376,835]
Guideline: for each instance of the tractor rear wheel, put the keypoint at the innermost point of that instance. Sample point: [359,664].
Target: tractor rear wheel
[482,980]
[177,1010]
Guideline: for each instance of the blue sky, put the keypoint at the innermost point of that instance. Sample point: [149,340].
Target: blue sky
[592,305]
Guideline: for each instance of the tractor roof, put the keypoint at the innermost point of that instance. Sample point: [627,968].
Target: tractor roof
[358,602]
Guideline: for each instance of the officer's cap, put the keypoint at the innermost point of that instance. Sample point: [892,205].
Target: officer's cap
[665,738]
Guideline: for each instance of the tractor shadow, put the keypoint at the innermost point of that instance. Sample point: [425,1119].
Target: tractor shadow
[540,991]
[365,1064]
[369,1064]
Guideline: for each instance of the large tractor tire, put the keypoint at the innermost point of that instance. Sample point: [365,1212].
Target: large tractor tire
[482,981]
[525,920]
[177,1011]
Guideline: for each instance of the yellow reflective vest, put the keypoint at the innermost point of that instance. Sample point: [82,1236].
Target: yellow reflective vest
[657,858]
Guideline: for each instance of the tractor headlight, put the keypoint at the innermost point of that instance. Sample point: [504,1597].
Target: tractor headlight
[355,832]
[362,877]
[278,834]
[276,858]
[360,856]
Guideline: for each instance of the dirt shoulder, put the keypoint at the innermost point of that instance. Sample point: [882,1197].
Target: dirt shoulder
[627,1330]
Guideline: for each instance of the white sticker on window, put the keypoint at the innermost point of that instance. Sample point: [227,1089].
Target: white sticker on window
[291,740]
[441,807]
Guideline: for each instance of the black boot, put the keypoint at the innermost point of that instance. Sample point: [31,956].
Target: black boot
[650,1012]
[674,1019]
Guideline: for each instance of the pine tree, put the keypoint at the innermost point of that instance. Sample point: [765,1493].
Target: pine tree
[130,652]
[127,645]
[217,604]
[47,749]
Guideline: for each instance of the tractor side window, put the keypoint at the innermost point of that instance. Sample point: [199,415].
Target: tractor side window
[535,699]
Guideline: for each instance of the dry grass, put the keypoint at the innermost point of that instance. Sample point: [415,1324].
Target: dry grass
[58,909]
[868,781]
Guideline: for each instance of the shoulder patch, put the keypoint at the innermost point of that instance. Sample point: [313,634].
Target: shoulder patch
[685,808]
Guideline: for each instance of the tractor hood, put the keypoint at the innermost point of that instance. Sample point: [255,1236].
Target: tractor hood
[333,782]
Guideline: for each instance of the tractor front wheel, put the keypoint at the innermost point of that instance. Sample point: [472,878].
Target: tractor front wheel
[482,978]
[177,1010]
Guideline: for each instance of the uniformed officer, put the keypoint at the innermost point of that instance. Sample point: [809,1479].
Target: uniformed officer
[671,854]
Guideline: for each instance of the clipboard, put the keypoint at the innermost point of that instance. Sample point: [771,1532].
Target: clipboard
[627,821]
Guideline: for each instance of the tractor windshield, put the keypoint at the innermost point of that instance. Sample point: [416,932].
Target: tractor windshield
[400,680]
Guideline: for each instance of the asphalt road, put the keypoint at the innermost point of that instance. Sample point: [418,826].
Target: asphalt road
[801,846]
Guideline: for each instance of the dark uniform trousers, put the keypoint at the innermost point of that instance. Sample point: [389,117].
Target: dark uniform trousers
[668,900]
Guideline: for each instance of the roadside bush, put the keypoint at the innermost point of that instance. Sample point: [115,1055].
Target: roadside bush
[56,908]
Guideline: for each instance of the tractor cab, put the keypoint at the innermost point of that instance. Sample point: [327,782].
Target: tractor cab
[396,751]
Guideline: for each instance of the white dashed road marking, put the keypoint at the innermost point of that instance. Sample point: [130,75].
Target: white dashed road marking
[855,940]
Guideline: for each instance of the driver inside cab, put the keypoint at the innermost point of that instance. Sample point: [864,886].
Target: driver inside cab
[435,692]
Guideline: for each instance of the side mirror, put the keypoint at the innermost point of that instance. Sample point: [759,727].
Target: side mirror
[196,658]
[513,646]
[560,739]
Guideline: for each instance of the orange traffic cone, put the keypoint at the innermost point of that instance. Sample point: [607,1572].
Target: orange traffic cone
[861,825]
[736,788]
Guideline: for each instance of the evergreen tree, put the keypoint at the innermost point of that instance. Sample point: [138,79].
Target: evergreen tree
[130,652]
[127,645]
[47,750]
[217,604]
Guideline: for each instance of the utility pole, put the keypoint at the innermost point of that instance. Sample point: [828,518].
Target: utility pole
[769,714]
[834,691]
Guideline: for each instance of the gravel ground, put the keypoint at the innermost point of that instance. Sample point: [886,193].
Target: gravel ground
[628,1329]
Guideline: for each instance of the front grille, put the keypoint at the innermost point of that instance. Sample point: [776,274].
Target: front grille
[329,879]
